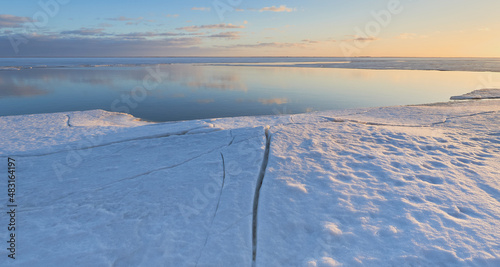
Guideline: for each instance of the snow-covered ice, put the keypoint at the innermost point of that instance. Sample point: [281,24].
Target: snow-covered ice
[479,94]
[356,193]
[393,186]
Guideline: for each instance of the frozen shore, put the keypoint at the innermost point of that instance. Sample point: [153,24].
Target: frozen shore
[392,186]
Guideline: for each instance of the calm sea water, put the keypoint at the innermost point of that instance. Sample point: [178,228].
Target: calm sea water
[183,89]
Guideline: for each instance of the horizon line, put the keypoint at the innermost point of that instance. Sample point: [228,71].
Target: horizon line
[240,57]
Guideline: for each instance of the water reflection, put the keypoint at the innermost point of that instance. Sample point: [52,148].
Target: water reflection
[11,89]
[274,101]
[12,86]
[194,91]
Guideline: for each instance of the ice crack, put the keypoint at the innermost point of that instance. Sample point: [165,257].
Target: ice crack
[157,136]
[260,180]
[68,122]
[216,208]
[407,125]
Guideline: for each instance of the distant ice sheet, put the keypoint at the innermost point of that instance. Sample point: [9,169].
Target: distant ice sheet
[479,94]
[440,64]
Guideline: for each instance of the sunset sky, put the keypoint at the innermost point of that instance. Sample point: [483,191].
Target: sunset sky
[447,28]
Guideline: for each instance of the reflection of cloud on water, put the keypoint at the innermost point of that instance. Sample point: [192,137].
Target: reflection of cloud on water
[205,101]
[176,80]
[224,86]
[205,77]
[19,90]
[13,88]
[273,101]
[73,76]
[177,96]
[108,81]
[265,101]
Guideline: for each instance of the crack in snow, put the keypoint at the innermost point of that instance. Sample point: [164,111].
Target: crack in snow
[146,173]
[68,121]
[260,180]
[157,136]
[222,187]
[217,207]
[232,140]
[463,116]
[406,125]
[371,123]
[161,169]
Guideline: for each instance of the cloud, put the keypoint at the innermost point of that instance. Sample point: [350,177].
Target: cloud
[310,41]
[131,21]
[281,8]
[201,8]
[77,45]
[172,15]
[357,38]
[143,35]
[182,42]
[407,36]
[210,27]
[410,36]
[10,21]
[485,29]
[105,25]
[226,35]
[86,32]
[366,39]
[122,18]
[270,45]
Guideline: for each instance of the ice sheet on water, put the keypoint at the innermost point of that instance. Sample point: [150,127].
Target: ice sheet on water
[479,94]
[440,64]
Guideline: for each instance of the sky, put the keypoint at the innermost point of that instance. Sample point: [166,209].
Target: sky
[315,28]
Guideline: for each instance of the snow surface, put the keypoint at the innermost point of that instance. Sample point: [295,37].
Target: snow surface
[479,94]
[394,186]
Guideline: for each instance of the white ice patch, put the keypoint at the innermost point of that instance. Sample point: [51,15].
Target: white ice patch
[479,94]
